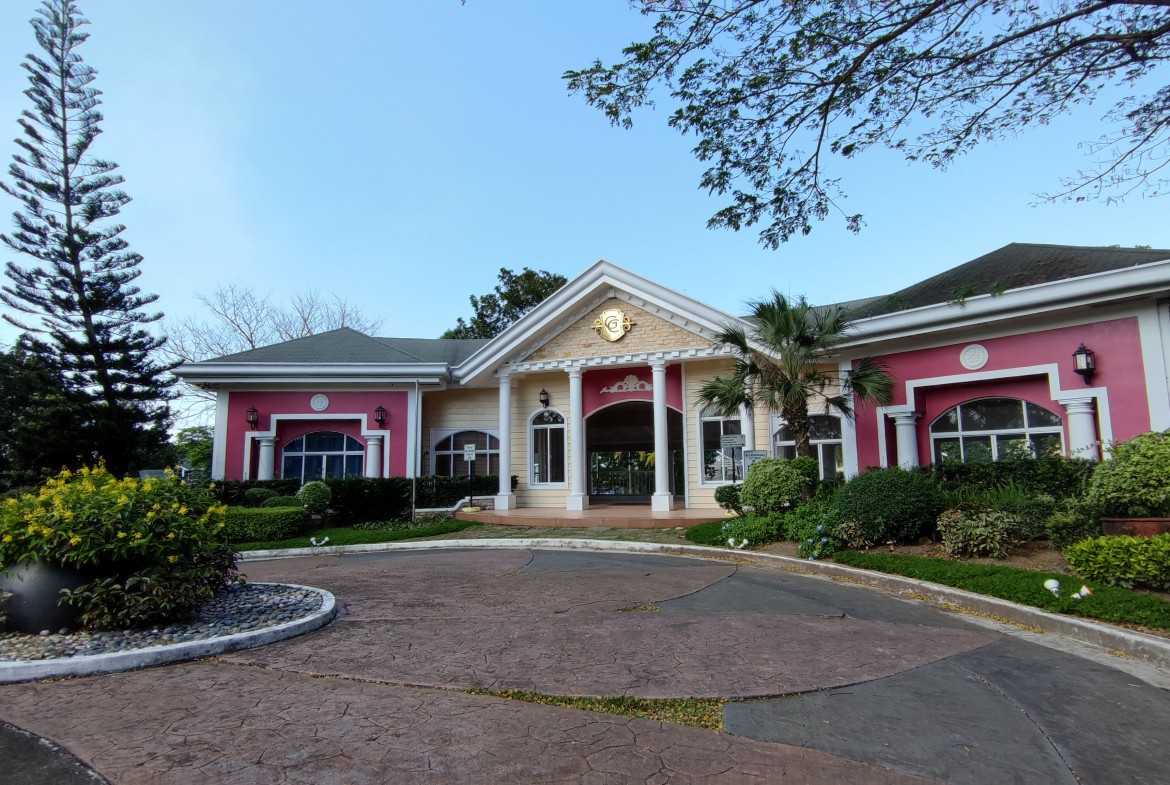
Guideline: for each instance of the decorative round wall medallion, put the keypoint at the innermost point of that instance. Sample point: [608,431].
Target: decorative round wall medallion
[973,357]
[319,402]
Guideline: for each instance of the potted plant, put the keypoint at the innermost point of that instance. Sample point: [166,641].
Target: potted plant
[1132,488]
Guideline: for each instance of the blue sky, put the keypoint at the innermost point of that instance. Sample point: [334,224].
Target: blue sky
[398,154]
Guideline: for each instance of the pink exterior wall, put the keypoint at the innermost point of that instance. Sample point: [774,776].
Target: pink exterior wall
[1119,368]
[340,403]
[592,382]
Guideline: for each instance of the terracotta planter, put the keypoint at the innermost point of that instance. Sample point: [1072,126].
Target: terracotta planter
[36,589]
[1138,527]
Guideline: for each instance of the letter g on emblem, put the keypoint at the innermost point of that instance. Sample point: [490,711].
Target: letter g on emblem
[612,324]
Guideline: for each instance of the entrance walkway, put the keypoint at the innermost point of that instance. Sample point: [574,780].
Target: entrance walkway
[830,683]
[619,516]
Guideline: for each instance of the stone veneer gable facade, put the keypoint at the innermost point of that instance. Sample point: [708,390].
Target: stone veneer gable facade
[649,333]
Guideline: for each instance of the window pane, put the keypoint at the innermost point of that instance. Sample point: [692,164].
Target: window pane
[1039,417]
[977,449]
[353,445]
[556,468]
[948,422]
[291,470]
[334,466]
[947,450]
[354,465]
[540,455]
[1047,444]
[493,464]
[823,427]
[313,467]
[548,418]
[324,441]
[711,432]
[788,452]
[493,443]
[828,460]
[993,414]
[444,444]
[1010,447]
[296,445]
[443,466]
[784,434]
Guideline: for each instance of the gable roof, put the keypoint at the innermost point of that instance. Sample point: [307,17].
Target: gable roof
[346,345]
[1012,267]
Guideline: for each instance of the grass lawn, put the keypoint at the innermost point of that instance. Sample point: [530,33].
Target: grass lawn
[1026,587]
[348,536]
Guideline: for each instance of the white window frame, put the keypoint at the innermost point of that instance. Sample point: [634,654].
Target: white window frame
[532,428]
[736,461]
[817,444]
[439,434]
[1026,432]
[345,453]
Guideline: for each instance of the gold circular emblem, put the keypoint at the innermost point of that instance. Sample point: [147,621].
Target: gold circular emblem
[612,324]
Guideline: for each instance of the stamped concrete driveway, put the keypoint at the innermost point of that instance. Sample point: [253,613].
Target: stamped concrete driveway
[832,683]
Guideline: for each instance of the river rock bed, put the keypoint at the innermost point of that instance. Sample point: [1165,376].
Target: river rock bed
[253,606]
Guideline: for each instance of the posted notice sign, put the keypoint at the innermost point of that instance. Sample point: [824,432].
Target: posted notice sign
[469,453]
[730,440]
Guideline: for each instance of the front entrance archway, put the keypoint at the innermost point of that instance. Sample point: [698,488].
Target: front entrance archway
[619,451]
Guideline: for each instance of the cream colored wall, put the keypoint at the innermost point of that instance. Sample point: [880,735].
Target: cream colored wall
[471,409]
[648,333]
[525,402]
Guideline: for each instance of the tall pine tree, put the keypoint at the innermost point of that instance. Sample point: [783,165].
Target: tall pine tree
[78,301]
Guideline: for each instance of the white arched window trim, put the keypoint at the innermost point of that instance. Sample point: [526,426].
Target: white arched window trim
[253,437]
[439,434]
[541,444]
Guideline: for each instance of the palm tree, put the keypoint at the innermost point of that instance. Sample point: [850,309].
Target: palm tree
[780,365]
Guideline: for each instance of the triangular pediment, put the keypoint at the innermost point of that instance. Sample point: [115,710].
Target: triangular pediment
[563,327]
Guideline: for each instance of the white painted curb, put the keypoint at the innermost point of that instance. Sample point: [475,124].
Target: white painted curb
[133,659]
[1150,648]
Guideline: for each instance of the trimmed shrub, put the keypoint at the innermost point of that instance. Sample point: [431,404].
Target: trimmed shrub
[232,492]
[728,497]
[972,530]
[1136,480]
[772,485]
[815,526]
[890,504]
[1053,475]
[357,499]
[709,533]
[1072,521]
[315,497]
[756,529]
[282,501]
[1123,561]
[255,497]
[155,547]
[250,524]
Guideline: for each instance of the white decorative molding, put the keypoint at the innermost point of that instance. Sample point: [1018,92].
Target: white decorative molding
[629,384]
[319,402]
[274,421]
[973,356]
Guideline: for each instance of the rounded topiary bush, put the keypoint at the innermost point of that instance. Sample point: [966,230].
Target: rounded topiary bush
[1135,481]
[890,504]
[256,497]
[315,497]
[772,485]
[728,497]
[151,550]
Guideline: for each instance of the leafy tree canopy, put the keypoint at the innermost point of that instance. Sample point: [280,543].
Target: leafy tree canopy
[773,89]
[514,296]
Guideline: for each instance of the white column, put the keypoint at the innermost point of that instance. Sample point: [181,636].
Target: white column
[505,499]
[267,458]
[662,500]
[578,491]
[748,418]
[1082,429]
[373,456]
[906,425]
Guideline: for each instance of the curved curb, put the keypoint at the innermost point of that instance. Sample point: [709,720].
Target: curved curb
[133,659]
[1149,648]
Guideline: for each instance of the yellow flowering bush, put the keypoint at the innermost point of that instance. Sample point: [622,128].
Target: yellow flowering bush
[154,547]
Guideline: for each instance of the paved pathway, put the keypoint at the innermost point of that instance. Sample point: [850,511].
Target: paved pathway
[847,685]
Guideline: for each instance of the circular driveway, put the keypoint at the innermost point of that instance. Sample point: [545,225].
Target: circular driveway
[827,683]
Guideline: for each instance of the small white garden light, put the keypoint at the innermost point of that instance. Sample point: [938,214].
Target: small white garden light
[1053,586]
[324,541]
[1085,591]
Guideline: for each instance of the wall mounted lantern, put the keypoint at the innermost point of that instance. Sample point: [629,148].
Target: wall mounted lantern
[253,418]
[544,397]
[380,416]
[1086,363]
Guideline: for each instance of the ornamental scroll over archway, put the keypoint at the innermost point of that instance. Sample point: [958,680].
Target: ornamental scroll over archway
[629,384]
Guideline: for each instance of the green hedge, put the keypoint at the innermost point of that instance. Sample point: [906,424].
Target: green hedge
[1058,477]
[890,504]
[1123,561]
[246,524]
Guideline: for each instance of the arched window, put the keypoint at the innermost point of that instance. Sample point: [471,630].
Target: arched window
[824,435]
[316,456]
[547,440]
[993,429]
[719,464]
[448,454]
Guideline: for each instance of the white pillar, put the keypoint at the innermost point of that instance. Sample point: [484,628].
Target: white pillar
[505,499]
[1082,429]
[373,456]
[267,458]
[906,425]
[578,491]
[748,418]
[662,500]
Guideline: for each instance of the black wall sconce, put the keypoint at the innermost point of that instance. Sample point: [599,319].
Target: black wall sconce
[1085,363]
[380,416]
[544,397]
[253,418]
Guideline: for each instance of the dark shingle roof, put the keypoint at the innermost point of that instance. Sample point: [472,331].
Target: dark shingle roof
[1011,267]
[345,345]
